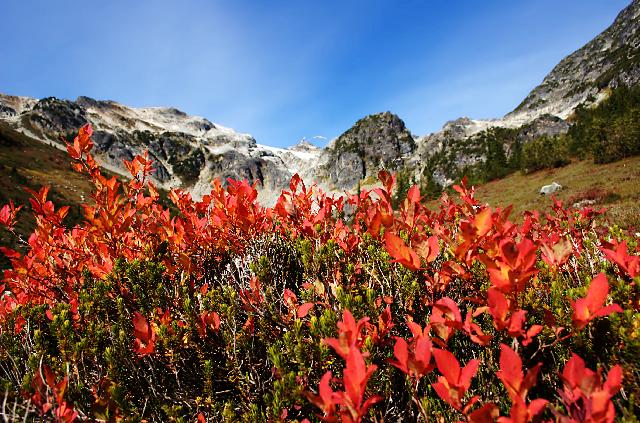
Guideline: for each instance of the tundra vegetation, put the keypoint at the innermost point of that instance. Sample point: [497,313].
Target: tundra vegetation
[353,308]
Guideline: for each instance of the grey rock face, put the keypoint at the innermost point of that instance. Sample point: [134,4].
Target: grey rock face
[266,170]
[52,118]
[347,169]
[379,141]
[544,125]
[6,111]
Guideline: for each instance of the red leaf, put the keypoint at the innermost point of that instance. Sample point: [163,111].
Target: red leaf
[485,414]
[558,253]
[498,307]
[429,249]
[413,195]
[290,299]
[614,380]
[447,365]
[349,334]
[618,254]
[584,395]
[467,373]
[592,306]
[295,181]
[474,331]
[141,328]
[574,370]
[598,291]
[9,253]
[510,370]
[512,376]
[303,310]
[401,353]
[65,413]
[4,215]
[483,222]
[324,400]
[445,317]
[536,407]
[145,336]
[74,151]
[8,214]
[209,320]
[387,180]
[402,254]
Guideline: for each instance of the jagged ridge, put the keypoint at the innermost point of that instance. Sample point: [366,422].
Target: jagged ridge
[188,151]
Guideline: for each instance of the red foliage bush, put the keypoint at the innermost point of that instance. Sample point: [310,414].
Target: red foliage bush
[469,284]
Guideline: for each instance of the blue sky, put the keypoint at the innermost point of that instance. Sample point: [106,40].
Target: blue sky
[283,70]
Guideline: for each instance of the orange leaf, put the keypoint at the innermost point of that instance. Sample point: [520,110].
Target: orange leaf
[401,252]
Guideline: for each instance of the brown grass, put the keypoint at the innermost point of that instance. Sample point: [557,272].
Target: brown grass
[615,186]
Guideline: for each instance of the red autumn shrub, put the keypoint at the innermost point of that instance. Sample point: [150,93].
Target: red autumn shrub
[223,310]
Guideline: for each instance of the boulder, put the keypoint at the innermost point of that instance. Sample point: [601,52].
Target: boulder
[550,189]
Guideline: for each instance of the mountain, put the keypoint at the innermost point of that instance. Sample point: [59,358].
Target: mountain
[379,141]
[609,60]
[188,151]
[584,78]
[191,151]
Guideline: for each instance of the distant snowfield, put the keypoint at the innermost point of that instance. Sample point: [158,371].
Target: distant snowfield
[302,155]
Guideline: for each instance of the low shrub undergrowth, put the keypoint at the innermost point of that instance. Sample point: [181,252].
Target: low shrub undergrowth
[318,308]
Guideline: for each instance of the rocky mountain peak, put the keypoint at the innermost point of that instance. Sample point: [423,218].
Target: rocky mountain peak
[464,127]
[610,59]
[98,104]
[17,104]
[304,146]
[461,122]
[378,141]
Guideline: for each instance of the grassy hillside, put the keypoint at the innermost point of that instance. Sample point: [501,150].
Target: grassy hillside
[615,186]
[25,162]
[29,163]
